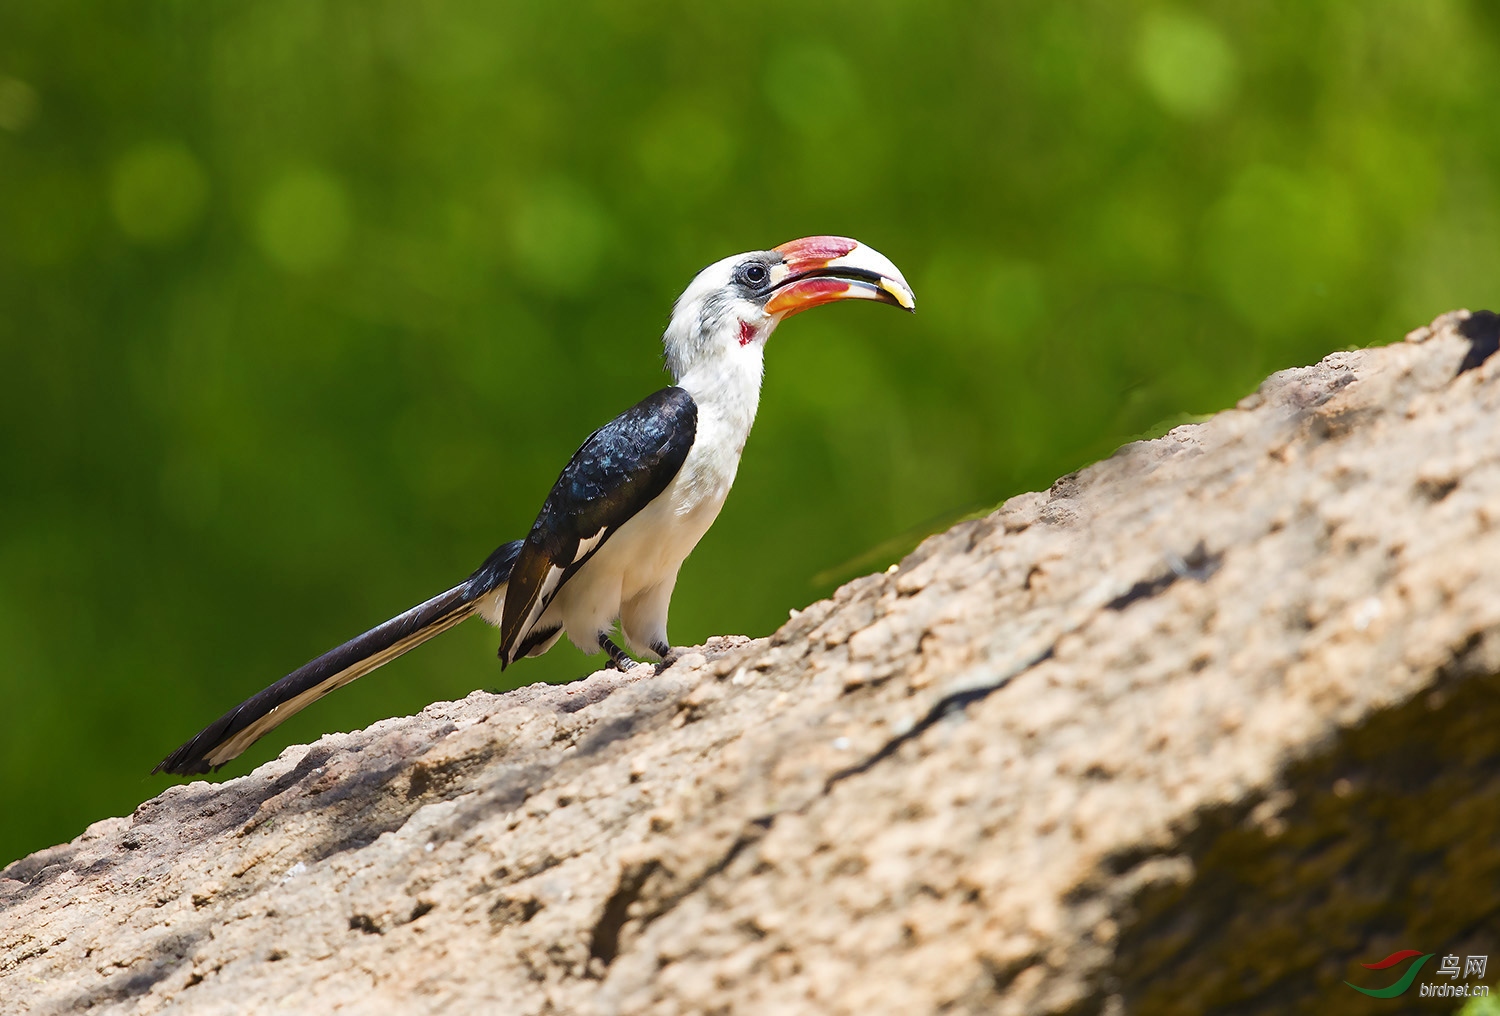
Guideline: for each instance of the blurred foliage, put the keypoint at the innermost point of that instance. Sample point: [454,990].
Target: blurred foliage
[303,303]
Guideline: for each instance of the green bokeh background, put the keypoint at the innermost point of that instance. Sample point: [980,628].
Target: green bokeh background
[303,303]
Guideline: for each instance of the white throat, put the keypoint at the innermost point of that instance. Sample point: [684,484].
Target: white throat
[728,387]
[719,358]
[723,375]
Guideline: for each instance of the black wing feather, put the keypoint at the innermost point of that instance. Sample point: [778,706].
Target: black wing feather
[619,470]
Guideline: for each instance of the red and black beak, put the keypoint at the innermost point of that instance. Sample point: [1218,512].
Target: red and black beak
[821,269]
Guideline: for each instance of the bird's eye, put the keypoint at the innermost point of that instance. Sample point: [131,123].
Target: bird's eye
[754,275]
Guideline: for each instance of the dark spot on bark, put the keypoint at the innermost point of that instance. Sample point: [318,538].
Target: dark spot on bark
[513,910]
[365,923]
[605,942]
[1198,565]
[1482,329]
[420,780]
[1435,490]
[946,706]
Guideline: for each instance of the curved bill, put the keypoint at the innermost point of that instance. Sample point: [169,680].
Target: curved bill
[821,269]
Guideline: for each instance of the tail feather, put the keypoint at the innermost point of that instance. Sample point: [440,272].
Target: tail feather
[236,730]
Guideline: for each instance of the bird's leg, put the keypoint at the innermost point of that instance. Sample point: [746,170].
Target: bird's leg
[668,656]
[618,658]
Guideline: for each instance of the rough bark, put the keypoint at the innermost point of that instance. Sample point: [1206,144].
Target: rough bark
[1198,729]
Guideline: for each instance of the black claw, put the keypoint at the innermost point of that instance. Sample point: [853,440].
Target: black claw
[668,657]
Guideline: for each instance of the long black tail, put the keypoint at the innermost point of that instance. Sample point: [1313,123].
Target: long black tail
[242,726]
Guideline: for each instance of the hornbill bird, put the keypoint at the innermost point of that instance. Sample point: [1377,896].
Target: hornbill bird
[629,506]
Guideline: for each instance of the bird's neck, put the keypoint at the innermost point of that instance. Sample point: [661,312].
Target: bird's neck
[727,391]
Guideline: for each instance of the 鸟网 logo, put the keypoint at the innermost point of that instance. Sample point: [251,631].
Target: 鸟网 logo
[1390,961]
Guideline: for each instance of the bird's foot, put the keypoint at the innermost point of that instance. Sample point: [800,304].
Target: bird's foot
[618,658]
[668,657]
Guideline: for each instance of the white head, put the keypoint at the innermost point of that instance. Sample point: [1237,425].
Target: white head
[733,306]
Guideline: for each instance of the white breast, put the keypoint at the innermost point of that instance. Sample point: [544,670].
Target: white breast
[638,565]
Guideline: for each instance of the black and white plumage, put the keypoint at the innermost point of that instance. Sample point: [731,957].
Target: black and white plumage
[628,508]
[621,468]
